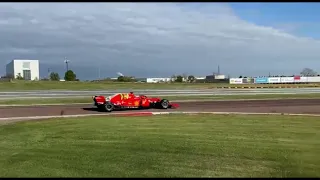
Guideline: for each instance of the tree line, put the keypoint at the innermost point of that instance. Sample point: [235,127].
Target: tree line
[54,76]
[68,76]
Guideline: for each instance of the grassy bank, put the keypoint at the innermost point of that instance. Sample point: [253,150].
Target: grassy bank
[50,85]
[162,146]
[172,98]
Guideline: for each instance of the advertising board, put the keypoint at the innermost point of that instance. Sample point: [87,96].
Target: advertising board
[247,80]
[314,79]
[274,80]
[303,79]
[260,80]
[297,79]
[294,79]
[287,79]
[235,81]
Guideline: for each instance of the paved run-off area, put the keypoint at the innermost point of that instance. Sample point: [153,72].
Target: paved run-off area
[152,92]
[301,106]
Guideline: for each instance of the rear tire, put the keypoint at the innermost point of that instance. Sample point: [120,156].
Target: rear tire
[164,104]
[107,107]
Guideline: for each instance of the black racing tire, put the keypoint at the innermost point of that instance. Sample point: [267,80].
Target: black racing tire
[164,104]
[107,107]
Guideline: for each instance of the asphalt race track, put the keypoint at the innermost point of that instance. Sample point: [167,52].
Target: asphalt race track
[300,106]
[152,92]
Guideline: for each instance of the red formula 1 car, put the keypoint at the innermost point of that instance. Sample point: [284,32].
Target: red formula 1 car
[130,101]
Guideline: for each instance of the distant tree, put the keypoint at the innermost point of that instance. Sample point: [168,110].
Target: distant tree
[173,78]
[126,79]
[179,79]
[54,76]
[308,72]
[240,76]
[19,77]
[70,76]
[191,78]
[121,79]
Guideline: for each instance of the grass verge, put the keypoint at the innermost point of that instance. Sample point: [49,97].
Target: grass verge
[224,97]
[162,146]
[51,85]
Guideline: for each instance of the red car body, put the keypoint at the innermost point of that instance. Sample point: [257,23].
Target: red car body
[130,101]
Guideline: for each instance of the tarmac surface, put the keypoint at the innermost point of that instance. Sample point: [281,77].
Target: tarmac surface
[151,92]
[299,106]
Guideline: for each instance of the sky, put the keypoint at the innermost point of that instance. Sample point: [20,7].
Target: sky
[162,39]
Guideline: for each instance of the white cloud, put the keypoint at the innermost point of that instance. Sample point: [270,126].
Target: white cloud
[145,38]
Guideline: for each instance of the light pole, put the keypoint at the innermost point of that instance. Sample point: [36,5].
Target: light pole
[99,72]
[67,63]
[49,73]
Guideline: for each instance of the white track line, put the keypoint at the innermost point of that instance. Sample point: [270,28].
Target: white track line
[61,116]
[152,113]
[235,113]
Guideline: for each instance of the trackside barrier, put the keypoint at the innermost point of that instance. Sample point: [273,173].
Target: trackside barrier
[275,80]
[236,80]
[260,80]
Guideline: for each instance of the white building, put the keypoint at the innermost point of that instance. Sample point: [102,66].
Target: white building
[28,69]
[200,77]
[158,80]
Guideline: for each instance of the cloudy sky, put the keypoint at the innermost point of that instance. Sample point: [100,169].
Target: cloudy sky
[162,39]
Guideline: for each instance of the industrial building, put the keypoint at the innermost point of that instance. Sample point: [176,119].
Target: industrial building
[158,80]
[27,69]
[215,77]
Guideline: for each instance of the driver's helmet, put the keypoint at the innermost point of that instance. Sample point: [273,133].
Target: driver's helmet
[143,96]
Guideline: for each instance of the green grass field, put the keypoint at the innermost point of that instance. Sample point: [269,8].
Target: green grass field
[162,146]
[227,97]
[51,85]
